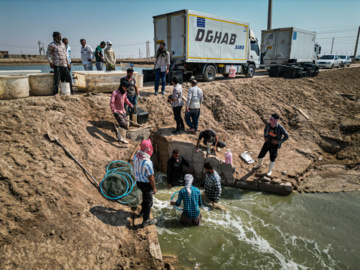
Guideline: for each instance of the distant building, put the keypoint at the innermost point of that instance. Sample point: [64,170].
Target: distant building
[4,54]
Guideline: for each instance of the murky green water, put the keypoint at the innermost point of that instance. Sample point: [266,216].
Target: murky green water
[311,231]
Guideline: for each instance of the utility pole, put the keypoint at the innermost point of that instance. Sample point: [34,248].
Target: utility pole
[356,45]
[147,49]
[332,46]
[269,15]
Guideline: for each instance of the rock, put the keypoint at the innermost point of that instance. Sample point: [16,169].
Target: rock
[284,172]
[334,135]
[320,158]
[306,151]
[276,181]
[265,179]
[329,146]
[341,156]
[52,232]
[138,134]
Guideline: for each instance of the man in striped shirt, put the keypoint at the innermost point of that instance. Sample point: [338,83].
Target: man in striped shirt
[145,180]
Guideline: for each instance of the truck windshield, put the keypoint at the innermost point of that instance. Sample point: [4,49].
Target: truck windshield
[255,47]
[327,57]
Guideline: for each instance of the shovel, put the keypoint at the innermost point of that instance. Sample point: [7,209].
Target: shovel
[52,138]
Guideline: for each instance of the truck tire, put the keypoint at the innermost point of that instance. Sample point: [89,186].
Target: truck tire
[209,73]
[250,72]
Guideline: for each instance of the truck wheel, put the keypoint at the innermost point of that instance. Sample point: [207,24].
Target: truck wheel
[251,71]
[209,73]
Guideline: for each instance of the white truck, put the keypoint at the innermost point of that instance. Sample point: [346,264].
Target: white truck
[288,45]
[204,45]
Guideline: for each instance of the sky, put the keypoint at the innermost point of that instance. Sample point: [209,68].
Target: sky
[129,24]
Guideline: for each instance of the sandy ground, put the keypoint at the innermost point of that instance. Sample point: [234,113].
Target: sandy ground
[53,217]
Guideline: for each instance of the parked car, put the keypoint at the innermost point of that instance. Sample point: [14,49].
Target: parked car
[329,61]
[357,57]
[345,60]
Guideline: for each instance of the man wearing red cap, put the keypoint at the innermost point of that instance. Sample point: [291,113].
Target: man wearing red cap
[145,180]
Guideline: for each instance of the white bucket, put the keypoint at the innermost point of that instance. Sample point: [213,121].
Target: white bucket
[65,89]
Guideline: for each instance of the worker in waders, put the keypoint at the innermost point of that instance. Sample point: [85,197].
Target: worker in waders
[145,180]
[191,197]
[117,101]
[274,135]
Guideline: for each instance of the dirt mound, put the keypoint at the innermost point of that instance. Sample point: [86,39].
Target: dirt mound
[321,114]
[51,215]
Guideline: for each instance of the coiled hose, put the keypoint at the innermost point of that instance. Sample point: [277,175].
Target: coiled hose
[172,196]
[122,173]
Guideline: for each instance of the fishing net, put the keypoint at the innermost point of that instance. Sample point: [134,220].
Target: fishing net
[119,184]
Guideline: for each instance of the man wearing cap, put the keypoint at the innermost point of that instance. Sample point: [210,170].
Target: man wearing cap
[109,56]
[161,67]
[145,180]
[274,135]
[99,56]
[132,94]
[117,101]
[191,197]
[193,104]
[86,55]
[59,61]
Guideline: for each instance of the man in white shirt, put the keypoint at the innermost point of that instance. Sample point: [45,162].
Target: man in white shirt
[68,53]
[87,54]
[193,104]
[161,67]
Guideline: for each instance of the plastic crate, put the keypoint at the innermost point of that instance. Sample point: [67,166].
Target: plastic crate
[142,116]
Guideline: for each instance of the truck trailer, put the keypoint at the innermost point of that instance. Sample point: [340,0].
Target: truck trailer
[204,45]
[288,46]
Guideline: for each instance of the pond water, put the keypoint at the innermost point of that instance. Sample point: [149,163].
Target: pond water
[263,231]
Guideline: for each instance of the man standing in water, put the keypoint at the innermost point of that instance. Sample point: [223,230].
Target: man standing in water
[175,172]
[274,135]
[161,67]
[212,184]
[192,201]
[86,55]
[145,180]
[59,61]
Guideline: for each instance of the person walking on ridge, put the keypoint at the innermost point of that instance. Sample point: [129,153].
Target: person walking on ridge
[176,102]
[274,135]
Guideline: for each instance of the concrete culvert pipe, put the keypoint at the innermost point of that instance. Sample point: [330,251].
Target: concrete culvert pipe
[13,87]
[42,84]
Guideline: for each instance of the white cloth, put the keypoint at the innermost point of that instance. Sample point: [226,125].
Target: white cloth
[195,98]
[86,53]
[68,53]
[188,183]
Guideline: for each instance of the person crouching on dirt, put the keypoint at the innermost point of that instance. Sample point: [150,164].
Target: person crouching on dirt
[274,135]
[192,201]
[212,184]
[117,101]
[210,138]
[175,171]
[145,180]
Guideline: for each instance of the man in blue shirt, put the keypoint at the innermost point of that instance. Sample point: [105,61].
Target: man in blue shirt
[191,197]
